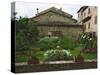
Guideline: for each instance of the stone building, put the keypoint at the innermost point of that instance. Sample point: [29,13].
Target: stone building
[87,15]
[56,22]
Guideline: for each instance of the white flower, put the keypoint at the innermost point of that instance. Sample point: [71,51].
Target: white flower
[83,36]
[90,39]
[58,46]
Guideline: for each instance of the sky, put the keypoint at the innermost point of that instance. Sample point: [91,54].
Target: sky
[29,9]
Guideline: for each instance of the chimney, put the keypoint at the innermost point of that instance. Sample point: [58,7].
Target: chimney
[37,11]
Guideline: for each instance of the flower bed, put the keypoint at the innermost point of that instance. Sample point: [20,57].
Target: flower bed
[57,55]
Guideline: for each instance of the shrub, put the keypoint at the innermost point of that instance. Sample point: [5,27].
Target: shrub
[77,54]
[68,43]
[40,55]
[88,42]
[48,43]
[56,55]
[52,42]
[76,51]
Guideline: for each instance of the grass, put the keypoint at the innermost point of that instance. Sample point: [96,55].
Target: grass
[39,55]
[24,58]
[90,55]
[86,55]
[21,58]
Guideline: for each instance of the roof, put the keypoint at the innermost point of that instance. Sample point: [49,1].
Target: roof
[82,9]
[55,10]
[66,19]
[59,24]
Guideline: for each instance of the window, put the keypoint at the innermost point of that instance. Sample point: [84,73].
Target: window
[95,7]
[90,35]
[84,14]
[88,25]
[94,34]
[84,27]
[78,15]
[89,11]
[81,13]
[95,20]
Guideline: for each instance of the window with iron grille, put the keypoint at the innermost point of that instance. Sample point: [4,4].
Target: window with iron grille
[89,11]
[88,25]
[95,20]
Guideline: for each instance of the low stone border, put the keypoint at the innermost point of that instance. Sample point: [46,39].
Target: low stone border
[54,67]
[57,62]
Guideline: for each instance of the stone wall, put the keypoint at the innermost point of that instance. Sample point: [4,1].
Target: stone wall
[52,21]
[54,67]
[65,30]
[53,17]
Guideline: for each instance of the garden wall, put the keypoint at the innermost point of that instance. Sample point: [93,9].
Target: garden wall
[54,67]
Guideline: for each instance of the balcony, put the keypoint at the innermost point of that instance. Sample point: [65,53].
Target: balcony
[86,18]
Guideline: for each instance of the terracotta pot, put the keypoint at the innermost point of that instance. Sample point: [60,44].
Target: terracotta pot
[33,61]
[79,60]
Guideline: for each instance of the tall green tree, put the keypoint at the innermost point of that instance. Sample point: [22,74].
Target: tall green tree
[26,34]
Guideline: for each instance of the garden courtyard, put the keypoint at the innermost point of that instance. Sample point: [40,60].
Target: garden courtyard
[33,48]
[61,49]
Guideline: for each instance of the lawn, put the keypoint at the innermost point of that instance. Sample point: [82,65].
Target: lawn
[21,58]
[86,55]
[90,55]
[25,58]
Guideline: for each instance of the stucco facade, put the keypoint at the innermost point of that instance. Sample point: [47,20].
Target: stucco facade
[87,15]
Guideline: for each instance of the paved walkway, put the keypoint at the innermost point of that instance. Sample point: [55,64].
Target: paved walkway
[56,62]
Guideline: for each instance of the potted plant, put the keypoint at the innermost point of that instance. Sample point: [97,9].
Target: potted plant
[79,58]
[33,60]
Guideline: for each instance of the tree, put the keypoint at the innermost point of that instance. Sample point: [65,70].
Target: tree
[26,34]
